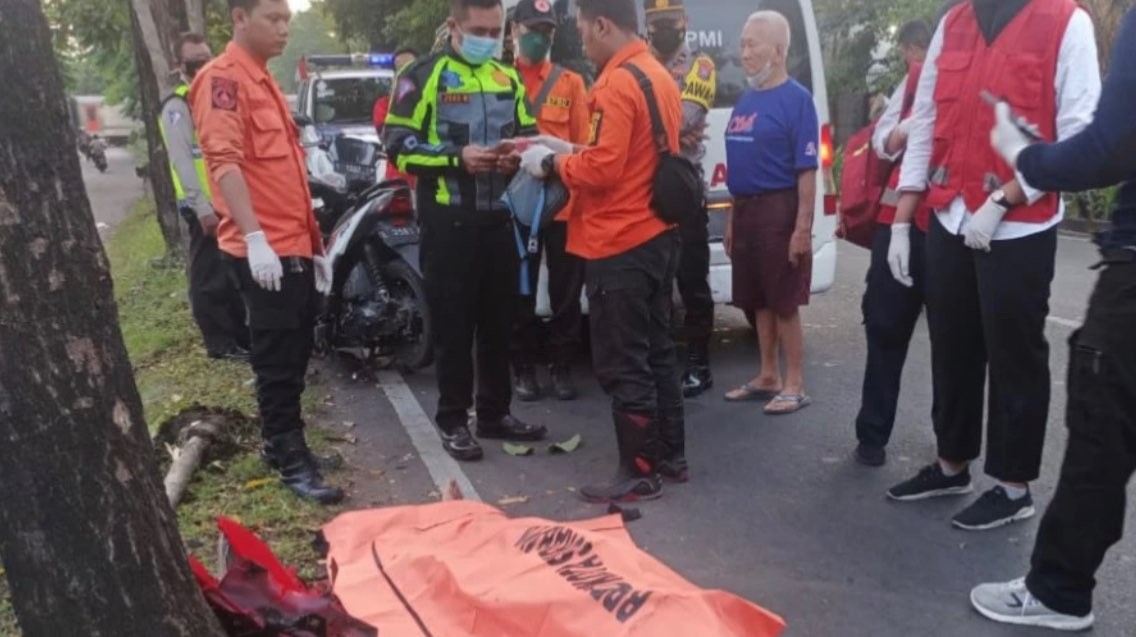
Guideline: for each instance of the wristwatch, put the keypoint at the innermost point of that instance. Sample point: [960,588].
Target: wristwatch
[999,197]
[549,164]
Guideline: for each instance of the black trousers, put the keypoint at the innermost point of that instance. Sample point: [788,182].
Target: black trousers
[472,273]
[891,312]
[281,324]
[561,334]
[629,298]
[693,278]
[1086,516]
[988,311]
[215,301]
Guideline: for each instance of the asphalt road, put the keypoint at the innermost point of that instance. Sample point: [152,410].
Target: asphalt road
[113,193]
[777,511]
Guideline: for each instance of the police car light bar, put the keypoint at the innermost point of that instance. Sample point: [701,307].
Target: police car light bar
[376,60]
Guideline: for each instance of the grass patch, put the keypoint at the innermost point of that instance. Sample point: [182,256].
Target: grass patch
[173,372]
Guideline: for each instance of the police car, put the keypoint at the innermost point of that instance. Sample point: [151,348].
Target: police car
[715,29]
[338,92]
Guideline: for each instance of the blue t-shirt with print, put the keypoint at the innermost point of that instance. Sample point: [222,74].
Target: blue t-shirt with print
[773,135]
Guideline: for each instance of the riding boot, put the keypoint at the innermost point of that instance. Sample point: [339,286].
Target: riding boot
[562,383]
[299,470]
[697,379]
[672,433]
[637,477]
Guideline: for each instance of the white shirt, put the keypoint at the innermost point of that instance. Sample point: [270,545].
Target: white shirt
[888,122]
[1078,86]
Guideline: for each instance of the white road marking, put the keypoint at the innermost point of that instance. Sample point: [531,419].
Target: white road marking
[1057,320]
[424,436]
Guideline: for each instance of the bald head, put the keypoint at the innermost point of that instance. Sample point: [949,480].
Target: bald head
[765,48]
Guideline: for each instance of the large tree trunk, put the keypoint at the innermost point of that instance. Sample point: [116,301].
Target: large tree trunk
[154,31]
[195,16]
[88,539]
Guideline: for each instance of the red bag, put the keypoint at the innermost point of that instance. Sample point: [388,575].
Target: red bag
[862,184]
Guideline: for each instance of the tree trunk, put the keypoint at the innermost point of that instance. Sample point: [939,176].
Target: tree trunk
[154,31]
[87,537]
[195,16]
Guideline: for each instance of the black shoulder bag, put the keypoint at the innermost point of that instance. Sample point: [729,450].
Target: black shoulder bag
[678,192]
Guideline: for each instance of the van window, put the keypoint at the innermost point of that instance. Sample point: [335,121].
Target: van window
[347,100]
[715,29]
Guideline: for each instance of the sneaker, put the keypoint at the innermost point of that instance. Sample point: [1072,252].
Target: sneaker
[1012,603]
[931,483]
[871,456]
[994,509]
[459,443]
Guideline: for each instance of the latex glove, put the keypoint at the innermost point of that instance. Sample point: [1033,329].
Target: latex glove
[1006,137]
[323,273]
[558,146]
[266,268]
[899,254]
[979,231]
[532,161]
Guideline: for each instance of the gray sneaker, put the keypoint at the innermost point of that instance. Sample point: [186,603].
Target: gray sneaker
[1012,603]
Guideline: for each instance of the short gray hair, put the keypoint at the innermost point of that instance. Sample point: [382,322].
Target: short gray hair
[774,19]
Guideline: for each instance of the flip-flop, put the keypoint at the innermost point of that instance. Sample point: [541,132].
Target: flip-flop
[799,401]
[749,393]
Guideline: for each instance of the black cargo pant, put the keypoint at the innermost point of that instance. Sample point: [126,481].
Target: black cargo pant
[1086,516]
[214,299]
[891,312]
[565,282]
[472,272]
[693,278]
[629,301]
[988,311]
[281,324]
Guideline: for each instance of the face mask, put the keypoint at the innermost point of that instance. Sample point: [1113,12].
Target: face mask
[193,66]
[535,46]
[478,50]
[762,76]
[667,40]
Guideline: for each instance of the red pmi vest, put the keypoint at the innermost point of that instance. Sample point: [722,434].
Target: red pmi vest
[1019,67]
[890,198]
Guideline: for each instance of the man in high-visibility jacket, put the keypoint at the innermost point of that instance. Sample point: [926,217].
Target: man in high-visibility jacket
[558,99]
[214,299]
[451,122]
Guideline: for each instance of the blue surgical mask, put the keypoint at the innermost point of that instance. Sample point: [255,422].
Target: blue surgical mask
[478,50]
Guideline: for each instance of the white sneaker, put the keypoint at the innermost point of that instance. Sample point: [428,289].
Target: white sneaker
[1012,603]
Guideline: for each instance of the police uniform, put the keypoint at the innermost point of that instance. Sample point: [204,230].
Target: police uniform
[469,255]
[697,78]
[215,301]
[245,127]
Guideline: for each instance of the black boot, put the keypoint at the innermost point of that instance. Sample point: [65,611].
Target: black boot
[697,378]
[527,388]
[636,478]
[299,470]
[510,428]
[562,383]
[672,433]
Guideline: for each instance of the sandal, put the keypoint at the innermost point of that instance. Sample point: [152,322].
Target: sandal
[796,402]
[749,393]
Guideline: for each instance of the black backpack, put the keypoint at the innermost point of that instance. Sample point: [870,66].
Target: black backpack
[678,193]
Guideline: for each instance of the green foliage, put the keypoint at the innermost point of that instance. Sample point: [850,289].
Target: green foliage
[386,25]
[416,25]
[312,31]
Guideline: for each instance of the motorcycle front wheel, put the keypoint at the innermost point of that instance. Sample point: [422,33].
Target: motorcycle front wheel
[416,349]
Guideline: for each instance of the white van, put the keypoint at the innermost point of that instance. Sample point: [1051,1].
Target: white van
[715,29]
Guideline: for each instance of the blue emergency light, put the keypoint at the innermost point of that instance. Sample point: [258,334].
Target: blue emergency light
[381,60]
[375,60]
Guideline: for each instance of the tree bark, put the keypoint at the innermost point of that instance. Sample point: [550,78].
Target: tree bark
[195,16]
[87,537]
[154,33]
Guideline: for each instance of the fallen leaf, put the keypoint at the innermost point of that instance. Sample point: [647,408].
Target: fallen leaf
[568,446]
[259,483]
[518,450]
[520,499]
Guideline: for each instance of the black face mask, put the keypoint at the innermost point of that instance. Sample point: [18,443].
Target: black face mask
[193,66]
[667,39]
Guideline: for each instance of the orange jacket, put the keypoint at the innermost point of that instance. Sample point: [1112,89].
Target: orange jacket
[565,111]
[611,180]
[244,124]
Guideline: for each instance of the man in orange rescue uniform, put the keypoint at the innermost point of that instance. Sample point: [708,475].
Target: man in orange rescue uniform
[559,102]
[267,227]
[631,255]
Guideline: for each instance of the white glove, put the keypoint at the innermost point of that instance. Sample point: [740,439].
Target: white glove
[1005,137]
[532,160]
[323,273]
[979,231]
[558,146]
[266,268]
[899,254]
